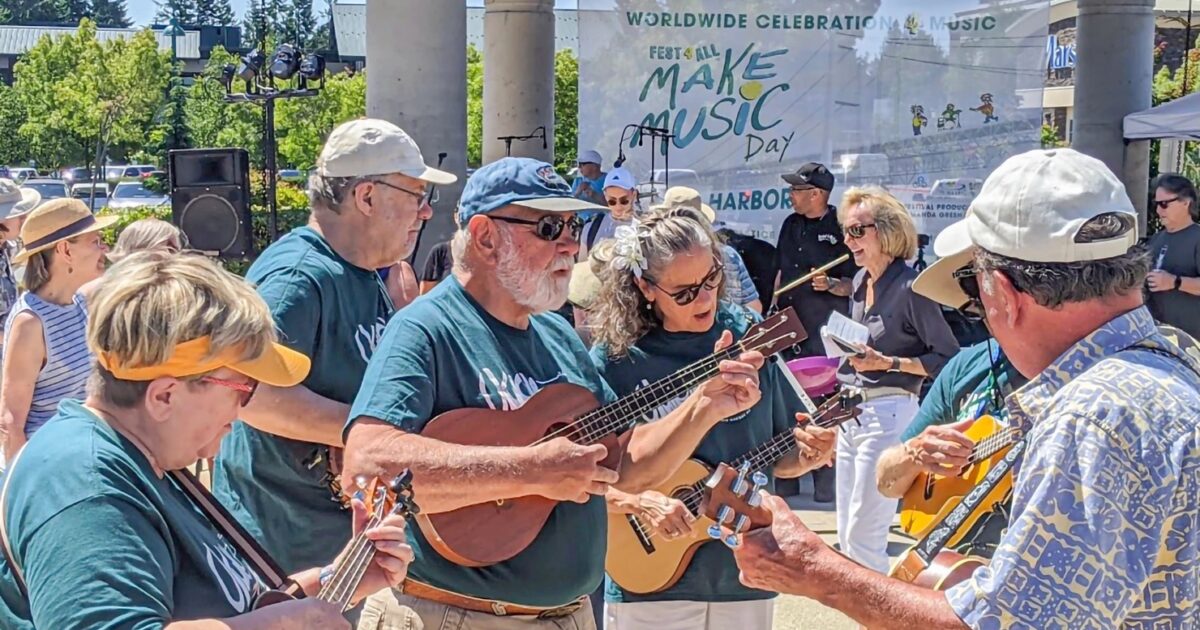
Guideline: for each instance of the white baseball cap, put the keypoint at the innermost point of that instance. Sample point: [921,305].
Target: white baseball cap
[589,157]
[620,177]
[369,146]
[1031,208]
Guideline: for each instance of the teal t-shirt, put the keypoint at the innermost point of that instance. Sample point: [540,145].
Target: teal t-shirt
[712,575]
[965,389]
[445,352]
[333,312]
[103,542]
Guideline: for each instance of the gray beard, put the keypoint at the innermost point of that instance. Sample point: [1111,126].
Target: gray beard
[536,290]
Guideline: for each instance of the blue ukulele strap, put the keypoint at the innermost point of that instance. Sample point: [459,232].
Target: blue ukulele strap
[935,541]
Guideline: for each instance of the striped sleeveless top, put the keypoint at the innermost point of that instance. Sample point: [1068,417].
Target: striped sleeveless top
[68,359]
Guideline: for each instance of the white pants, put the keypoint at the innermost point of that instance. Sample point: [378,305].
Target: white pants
[864,515]
[751,615]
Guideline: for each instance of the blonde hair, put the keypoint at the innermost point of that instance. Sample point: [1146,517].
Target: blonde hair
[895,227]
[146,234]
[621,315]
[151,302]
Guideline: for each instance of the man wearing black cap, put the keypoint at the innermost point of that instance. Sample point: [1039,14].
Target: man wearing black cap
[808,239]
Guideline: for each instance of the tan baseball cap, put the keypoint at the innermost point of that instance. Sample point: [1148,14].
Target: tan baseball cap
[684,197]
[370,146]
[16,201]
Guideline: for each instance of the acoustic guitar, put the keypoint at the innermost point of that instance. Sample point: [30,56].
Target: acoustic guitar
[931,497]
[642,563]
[492,532]
[383,500]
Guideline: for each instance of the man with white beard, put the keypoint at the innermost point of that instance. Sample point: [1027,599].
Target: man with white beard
[484,338]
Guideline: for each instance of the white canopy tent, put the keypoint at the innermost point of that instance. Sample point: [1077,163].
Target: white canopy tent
[1178,119]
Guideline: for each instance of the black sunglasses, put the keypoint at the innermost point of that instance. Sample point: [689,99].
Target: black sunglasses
[1163,203]
[857,231]
[622,201]
[688,294]
[968,280]
[548,227]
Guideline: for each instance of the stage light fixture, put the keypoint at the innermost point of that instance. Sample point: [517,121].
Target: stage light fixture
[251,65]
[312,67]
[227,74]
[285,63]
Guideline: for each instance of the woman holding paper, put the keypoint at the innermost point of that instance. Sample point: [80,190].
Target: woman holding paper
[908,341]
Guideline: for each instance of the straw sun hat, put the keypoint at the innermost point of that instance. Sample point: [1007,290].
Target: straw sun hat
[16,201]
[55,221]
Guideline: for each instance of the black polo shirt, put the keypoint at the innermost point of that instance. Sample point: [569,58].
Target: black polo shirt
[805,244]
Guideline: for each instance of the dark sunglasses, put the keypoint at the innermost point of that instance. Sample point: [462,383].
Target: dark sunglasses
[623,201]
[247,389]
[803,188]
[968,280]
[688,294]
[857,231]
[549,227]
[1163,203]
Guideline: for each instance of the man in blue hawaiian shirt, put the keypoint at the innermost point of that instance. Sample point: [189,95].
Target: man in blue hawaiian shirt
[1106,499]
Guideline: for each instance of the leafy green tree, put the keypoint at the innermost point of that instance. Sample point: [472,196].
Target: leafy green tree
[303,123]
[214,13]
[110,13]
[183,10]
[474,106]
[12,112]
[211,122]
[566,109]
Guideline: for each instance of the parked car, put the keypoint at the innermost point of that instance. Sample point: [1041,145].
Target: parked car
[114,174]
[48,188]
[78,175]
[293,175]
[99,199]
[128,195]
[21,173]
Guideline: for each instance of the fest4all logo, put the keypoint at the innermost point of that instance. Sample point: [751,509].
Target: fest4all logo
[729,94]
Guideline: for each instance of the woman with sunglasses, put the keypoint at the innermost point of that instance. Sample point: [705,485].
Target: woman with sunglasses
[620,194]
[97,530]
[659,309]
[909,341]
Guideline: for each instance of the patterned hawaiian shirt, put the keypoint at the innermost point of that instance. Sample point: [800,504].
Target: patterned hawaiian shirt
[1104,530]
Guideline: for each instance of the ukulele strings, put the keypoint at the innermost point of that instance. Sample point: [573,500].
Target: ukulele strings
[595,424]
[345,580]
[695,492]
[992,445]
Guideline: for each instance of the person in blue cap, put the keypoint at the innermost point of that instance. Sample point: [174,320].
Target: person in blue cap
[485,338]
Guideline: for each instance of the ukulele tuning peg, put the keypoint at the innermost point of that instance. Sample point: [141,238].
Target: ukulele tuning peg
[361,482]
[739,486]
[402,481]
[759,478]
[732,541]
[714,532]
[724,515]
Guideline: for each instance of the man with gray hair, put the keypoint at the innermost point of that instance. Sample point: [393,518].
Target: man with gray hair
[1105,509]
[277,470]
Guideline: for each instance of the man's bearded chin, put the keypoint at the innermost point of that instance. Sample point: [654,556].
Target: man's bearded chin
[537,290]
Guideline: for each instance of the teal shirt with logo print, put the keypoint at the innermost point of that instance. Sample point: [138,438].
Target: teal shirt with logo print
[333,312]
[712,575]
[445,352]
[104,542]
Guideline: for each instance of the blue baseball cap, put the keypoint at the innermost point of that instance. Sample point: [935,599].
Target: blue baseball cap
[518,181]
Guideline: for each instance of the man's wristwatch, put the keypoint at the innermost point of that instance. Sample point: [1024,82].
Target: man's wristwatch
[1178,282]
[895,367]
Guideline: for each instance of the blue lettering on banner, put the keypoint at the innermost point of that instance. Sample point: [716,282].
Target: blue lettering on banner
[768,199]
[1059,57]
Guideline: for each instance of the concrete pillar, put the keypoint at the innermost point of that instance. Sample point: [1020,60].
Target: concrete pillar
[518,77]
[1113,76]
[417,79]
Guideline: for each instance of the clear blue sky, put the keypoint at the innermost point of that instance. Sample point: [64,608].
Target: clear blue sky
[142,11]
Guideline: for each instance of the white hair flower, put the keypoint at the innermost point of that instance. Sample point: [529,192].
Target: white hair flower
[627,254]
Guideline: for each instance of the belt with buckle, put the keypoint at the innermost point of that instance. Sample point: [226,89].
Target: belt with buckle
[489,606]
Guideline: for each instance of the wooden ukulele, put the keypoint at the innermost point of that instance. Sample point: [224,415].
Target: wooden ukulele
[931,497]
[492,532]
[383,500]
[641,562]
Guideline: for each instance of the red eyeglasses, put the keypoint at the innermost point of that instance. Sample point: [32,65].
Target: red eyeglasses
[247,389]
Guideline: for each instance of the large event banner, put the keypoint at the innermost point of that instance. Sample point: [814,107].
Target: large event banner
[923,97]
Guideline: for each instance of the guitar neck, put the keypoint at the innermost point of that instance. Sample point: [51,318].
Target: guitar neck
[350,569]
[994,444]
[618,415]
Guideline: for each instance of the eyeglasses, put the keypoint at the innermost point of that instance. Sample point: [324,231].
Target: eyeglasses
[688,294]
[548,227]
[968,280]
[1163,203]
[623,201]
[857,231]
[419,195]
[247,389]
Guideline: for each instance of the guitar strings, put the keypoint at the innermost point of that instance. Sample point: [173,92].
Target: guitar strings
[600,422]
[341,587]
[764,454]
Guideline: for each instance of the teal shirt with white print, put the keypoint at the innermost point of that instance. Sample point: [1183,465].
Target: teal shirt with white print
[712,575]
[104,542]
[445,352]
[334,313]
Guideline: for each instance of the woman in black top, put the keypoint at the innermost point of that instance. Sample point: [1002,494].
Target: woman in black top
[909,341]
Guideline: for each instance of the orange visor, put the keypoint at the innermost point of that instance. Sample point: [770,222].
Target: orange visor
[277,366]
